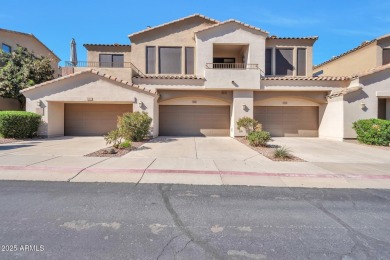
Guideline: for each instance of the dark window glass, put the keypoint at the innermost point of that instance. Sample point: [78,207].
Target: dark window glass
[224,60]
[6,48]
[301,62]
[382,108]
[150,60]
[386,56]
[284,61]
[268,62]
[170,60]
[189,60]
[111,60]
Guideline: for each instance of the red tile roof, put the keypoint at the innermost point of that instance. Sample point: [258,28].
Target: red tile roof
[293,38]
[174,21]
[303,78]
[93,72]
[113,44]
[372,71]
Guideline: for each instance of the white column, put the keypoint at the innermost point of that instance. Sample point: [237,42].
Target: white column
[242,107]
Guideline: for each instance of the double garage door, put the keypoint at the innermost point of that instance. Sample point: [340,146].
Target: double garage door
[92,119]
[194,120]
[288,121]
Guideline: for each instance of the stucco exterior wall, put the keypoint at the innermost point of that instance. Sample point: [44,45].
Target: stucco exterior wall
[80,89]
[229,33]
[242,107]
[14,39]
[293,44]
[174,35]
[353,63]
[378,82]
[9,104]
[331,118]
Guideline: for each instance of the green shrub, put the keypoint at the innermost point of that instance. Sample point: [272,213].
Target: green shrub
[134,126]
[114,137]
[125,144]
[282,152]
[19,124]
[259,138]
[249,124]
[373,131]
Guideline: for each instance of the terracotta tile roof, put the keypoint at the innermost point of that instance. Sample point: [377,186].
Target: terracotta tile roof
[99,44]
[33,36]
[93,72]
[313,78]
[364,44]
[371,71]
[293,38]
[174,21]
[169,77]
[233,21]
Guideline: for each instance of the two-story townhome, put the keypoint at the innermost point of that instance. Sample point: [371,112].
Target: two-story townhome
[368,65]
[196,77]
[9,41]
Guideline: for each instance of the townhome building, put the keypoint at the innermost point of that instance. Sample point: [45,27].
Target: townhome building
[197,76]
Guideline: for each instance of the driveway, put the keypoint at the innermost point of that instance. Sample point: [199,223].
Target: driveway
[216,148]
[61,146]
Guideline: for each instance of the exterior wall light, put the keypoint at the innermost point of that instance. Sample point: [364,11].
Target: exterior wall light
[140,104]
[39,103]
[362,105]
[243,107]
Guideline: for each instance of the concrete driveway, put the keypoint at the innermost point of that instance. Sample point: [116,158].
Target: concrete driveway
[216,148]
[61,146]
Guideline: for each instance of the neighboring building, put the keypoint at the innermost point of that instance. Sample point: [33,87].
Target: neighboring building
[366,56]
[197,76]
[10,40]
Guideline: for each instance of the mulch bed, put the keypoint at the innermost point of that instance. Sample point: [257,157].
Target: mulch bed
[117,152]
[368,145]
[268,151]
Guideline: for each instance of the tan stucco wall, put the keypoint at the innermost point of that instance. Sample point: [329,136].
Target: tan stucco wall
[9,104]
[303,85]
[174,35]
[293,44]
[353,111]
[361,60]
[15,39]
[93,52]
[242,107]
[78,90]
[331,119]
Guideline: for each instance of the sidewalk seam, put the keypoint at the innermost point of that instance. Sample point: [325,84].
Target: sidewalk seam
[87,168]
[42,161]
[196,149]
[145,171]
[219,172]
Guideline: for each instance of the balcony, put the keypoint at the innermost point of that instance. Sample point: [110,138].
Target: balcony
[232,66]
[232,76]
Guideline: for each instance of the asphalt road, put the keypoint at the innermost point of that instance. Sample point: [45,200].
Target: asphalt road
[124,221]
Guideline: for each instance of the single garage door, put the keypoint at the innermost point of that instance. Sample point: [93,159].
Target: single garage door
[92,119]
[288,121]
[194,120]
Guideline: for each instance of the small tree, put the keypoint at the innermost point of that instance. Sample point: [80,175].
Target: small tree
[22,69]
[134,126]
[248,124]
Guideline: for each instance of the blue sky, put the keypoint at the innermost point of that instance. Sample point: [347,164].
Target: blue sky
[340,24]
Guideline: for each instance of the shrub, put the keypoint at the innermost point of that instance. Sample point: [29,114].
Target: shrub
[259,138]
[249,124]
[19,124]
[134,126]
[282,152]
[373,131]
[114,137]
[125,144]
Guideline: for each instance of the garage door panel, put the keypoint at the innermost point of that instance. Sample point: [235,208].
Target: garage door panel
[194,120]
[288,121]
[93,119]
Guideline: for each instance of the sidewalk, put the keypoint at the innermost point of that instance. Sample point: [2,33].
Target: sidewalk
[194,171]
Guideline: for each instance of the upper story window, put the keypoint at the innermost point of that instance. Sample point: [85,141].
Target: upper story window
[111,60]
[284,62]
[6,48]
[385,56]
[150,60]
[301,62]
[268,61]
[169,60]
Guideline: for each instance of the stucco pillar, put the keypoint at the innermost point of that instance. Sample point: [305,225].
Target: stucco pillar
[242,107]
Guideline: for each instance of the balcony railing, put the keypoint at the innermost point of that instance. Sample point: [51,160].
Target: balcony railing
[233,66]
[98,64]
